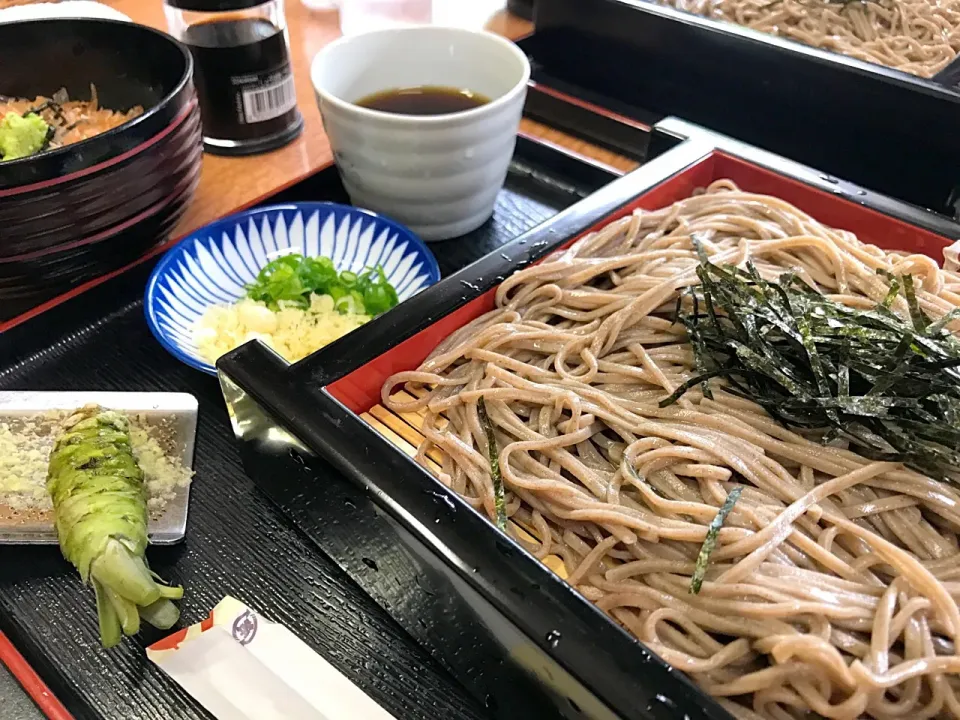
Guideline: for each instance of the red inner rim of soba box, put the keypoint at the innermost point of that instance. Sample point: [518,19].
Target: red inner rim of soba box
[360,389]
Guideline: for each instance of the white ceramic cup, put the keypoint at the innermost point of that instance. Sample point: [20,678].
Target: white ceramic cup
[437,174]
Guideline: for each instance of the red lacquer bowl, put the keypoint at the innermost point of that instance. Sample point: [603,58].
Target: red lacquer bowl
[71,214]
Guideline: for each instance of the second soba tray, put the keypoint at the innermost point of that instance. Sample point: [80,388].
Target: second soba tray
[477,598]
[887,130]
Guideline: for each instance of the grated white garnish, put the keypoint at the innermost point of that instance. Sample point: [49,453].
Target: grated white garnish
[25,447]
[23,466]
[290,331]
[163,474]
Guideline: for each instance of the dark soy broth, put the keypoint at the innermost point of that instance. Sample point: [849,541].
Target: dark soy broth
[423,100]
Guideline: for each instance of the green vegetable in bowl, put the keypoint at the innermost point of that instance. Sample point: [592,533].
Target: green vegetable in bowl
[292,279]
[100,508]
[378,294]
[22,135]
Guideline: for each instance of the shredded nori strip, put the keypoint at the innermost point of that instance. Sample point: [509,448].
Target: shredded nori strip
[887,385]
[710,542]
[639,479]
[493,455]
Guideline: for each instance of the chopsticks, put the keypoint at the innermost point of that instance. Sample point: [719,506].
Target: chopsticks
[31,682]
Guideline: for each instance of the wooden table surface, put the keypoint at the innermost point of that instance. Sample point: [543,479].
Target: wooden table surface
[230,184]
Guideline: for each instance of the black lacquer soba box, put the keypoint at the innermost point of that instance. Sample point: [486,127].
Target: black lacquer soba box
[882,128]
[441,564]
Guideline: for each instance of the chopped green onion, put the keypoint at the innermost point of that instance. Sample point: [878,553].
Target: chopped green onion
[290,280]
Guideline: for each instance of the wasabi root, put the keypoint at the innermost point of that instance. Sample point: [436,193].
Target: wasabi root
[100,507]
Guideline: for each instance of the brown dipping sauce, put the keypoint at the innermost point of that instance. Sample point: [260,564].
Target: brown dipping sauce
[423,100]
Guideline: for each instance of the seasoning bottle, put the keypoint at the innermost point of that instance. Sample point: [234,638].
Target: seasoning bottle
[521,8]
[242,72]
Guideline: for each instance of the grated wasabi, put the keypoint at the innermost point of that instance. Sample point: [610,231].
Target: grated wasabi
[22,135]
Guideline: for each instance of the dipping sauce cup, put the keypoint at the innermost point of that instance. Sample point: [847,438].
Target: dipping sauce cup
[437,174]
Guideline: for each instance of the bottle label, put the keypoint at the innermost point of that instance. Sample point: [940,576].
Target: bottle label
[268,98]
[243,77]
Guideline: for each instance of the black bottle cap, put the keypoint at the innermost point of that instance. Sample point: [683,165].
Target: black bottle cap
[214,5]
[521,8]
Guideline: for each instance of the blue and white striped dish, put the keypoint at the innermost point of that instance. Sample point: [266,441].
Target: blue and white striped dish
[212,265]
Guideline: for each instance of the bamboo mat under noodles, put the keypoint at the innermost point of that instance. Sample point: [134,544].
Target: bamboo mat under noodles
[403,430]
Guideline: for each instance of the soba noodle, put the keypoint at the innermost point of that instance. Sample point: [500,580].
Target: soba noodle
[834,583]
[920,37]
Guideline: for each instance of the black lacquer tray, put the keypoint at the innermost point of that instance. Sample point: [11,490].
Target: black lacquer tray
[881,128]
[237,542]
[442,571]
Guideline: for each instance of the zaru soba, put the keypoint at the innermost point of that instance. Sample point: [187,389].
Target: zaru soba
[920,37]
[739,430]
